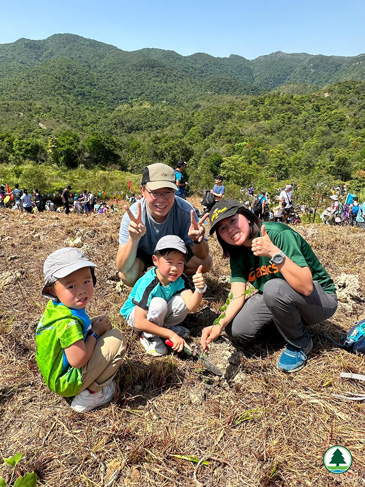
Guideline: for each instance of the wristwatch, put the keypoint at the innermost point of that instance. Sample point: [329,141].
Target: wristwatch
[201,291]
[278,258]
[93,334]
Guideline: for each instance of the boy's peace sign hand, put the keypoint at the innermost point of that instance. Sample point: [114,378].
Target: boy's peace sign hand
[197,230]
[263,246]
[136,228]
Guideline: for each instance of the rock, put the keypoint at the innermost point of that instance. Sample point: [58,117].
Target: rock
[9,277]
[119,287]
[235,358]
[90,234]
[348,287]
[77,242]
[12,257]
[196,395]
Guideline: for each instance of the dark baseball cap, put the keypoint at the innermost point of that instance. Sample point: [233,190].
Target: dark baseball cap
[221,210]
[159,176]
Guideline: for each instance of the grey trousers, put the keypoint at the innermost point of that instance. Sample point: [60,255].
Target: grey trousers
[289,310]
[162,313]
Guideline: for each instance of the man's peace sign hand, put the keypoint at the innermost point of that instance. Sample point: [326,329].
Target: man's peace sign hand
[197,230]
[136,228]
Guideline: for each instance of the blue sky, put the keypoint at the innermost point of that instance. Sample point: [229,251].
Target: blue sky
[220,28]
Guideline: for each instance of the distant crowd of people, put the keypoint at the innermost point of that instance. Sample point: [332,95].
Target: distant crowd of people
[64,202]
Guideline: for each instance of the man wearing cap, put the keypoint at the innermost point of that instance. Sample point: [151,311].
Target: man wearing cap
[179,178]
[285,195]
[159,213]
[334,209]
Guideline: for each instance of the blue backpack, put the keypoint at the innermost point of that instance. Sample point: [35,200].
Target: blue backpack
[354,340]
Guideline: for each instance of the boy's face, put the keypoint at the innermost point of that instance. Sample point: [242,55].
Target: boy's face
[76,289]
[170,267]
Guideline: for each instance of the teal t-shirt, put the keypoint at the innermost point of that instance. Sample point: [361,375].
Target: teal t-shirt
[246,267]
[148,287]
[59,328]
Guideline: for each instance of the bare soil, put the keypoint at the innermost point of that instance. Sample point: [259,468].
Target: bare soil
[172,423]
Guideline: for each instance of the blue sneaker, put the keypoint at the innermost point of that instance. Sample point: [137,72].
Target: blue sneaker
[293,358]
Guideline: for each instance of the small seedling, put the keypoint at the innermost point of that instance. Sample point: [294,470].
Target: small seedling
[28,480]
[223,308]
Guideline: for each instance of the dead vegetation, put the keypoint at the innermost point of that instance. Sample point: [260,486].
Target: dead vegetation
[172,424]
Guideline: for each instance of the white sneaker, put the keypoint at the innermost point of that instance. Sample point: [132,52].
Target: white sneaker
[84,401]
[153,345]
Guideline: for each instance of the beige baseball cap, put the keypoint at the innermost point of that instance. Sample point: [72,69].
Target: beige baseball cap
[159,176]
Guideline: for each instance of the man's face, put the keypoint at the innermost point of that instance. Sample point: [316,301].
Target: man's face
[159,202]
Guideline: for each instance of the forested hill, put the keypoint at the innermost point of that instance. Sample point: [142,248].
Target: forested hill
[88,72]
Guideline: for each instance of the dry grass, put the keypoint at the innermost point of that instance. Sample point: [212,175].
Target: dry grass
[255,427]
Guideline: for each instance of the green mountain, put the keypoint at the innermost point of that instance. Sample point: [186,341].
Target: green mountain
[88,72]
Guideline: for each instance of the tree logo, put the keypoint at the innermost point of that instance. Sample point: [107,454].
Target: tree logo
[337,459]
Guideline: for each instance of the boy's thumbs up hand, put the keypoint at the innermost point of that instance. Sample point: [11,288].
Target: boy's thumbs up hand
[263,246]
[198,278]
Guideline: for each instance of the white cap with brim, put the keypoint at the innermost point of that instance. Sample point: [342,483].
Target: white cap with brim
[334,197]
[62,263]
[171,242]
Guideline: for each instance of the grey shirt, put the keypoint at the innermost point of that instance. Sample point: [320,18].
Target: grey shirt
[177,222]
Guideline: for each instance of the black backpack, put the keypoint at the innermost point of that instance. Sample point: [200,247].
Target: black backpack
[208,199]
[257,206]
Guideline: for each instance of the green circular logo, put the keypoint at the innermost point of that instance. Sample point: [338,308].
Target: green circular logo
[337,459]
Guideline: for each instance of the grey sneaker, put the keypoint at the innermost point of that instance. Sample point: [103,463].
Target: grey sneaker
[84,401]
[153,344]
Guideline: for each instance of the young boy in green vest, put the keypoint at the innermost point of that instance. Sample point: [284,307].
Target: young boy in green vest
[76,355]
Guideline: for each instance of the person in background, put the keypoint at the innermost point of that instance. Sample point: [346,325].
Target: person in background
[38,200]
[66,199]
[86,202]
[294,290]
[2,194]
[218,189]
[334,209]
[179,180]
[157,214]
[354,210]
[260,204]
[27,201]
[17,194]
[77,205]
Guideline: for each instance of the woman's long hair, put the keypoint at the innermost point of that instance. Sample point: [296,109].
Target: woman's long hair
[255,228]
